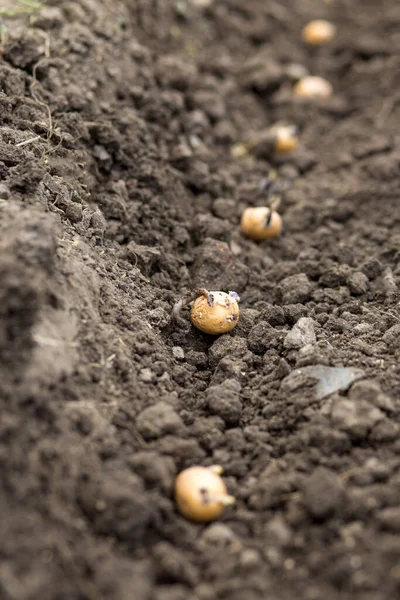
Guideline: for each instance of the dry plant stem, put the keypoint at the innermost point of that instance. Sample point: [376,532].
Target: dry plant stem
[176,311]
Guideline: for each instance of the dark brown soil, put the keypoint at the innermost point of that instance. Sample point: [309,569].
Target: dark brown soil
[118,194]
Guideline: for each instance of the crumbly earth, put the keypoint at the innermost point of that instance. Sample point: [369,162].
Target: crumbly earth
[118,194]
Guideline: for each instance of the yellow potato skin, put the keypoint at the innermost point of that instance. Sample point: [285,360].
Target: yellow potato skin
[253,223]
[318,32]
[221,317]
[285,140]
[194,488]
[313,87]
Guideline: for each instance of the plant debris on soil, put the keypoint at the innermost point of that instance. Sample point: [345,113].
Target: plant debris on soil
[120,193]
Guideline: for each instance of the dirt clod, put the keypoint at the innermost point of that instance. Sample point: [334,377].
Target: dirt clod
[127,136]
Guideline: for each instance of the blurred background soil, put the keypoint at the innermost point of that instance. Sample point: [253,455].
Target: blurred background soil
[118,192]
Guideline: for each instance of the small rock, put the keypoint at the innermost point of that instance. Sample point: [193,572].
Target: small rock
[224,401]
[357,283]
[323,494]
[301,334]
[146,375]
[158,420]
[178,353]
[295,289]
[331,379]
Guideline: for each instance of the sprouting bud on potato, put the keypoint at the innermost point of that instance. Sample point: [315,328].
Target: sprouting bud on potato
[313,87]
[215,312]
[318,32]
[261,223]
[201,494]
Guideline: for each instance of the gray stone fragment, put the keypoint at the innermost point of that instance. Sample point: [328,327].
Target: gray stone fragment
[301,334]
[324,380]
[332,379]
[178,353]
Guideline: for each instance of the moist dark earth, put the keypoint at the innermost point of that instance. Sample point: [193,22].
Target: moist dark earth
[119,193]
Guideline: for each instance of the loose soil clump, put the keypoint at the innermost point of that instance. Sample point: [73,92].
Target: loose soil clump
[119,193]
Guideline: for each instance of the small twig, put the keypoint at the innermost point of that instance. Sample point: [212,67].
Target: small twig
[45,341]
[30,141]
